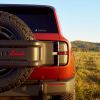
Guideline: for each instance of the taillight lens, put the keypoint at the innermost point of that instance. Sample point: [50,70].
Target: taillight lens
[61,53]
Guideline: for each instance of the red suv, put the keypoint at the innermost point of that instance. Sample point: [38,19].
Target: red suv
[34,56]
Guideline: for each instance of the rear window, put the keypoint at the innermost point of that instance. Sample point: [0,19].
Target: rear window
[42,23]
[39,18]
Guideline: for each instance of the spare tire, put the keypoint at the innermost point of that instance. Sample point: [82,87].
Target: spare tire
[12,27]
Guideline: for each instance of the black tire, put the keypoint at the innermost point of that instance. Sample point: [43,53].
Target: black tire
[12,27]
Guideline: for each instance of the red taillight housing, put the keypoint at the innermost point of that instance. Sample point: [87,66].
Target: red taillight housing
[62,53]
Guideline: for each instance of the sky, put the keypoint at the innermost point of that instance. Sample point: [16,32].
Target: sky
[79,19]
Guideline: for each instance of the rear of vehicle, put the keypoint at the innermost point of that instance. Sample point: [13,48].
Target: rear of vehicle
[55,76]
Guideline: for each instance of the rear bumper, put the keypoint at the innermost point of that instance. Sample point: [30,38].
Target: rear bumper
[48,88]
[56,88]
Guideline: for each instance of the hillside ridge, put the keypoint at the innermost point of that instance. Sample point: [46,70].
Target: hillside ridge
[79,45]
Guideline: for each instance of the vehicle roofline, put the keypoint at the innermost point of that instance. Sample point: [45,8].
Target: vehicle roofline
[28,5]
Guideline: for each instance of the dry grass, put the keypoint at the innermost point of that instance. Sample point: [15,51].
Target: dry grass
[87,75]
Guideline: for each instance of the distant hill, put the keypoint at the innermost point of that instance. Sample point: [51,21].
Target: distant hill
[85,46]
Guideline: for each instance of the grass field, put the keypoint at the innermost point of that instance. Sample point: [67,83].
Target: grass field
[87,75]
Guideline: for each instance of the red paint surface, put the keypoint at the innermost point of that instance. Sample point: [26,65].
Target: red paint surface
[47,36]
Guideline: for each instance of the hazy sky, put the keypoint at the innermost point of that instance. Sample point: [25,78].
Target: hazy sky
[79,19]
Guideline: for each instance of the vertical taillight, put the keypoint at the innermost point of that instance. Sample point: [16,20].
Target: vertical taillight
[63,53]
[60,53]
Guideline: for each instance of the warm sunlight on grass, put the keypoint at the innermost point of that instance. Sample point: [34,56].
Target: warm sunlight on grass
[87,75]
